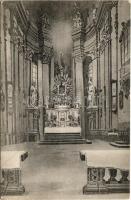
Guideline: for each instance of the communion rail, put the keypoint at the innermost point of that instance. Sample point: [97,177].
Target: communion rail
[107,171]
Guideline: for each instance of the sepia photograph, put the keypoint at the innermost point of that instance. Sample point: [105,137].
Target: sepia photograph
[64,99]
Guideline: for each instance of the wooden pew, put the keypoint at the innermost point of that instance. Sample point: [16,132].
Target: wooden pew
[11,170]
[107,171]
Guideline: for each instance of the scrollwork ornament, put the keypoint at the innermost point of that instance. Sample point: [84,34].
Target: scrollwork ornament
[77,18]
[45,57]
[116,21]
[28,53]
[5,27]
[20,46]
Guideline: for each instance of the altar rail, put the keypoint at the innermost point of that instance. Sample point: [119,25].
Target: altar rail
[107,180]
[11,172]
[123,135]
[107,171]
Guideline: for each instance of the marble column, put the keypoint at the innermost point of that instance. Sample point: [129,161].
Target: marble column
[79,81]
[41,123]
[3,113]
[9,79]
[45,73]
[74,78]
[80,91]
[106,87]
[16,103]
[20,94]
[52,73]
[115,63]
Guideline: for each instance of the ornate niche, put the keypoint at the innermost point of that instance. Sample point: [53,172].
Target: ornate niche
[89,88]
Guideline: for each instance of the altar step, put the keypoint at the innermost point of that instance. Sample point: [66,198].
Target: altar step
[63,138]
[120,144]
[50,136]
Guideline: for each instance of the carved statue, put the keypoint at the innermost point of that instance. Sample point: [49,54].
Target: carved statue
[33,95]
[90,93]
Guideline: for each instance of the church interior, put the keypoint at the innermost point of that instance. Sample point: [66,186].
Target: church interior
[65,99]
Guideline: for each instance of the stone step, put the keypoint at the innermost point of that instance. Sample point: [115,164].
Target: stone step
[120,145]
[67,134]
[121,142]
[62,136]
[65,141]
[47,137]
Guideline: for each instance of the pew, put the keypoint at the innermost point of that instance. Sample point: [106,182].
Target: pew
[107,171]
[11,172]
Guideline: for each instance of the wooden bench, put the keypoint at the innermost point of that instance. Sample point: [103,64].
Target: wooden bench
[107,171]
[11,171]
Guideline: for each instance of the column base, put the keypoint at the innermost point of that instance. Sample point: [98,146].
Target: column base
[12,190]
[106,188]
[94,188]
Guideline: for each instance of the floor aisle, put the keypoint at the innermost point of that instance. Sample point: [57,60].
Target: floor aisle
[56,172]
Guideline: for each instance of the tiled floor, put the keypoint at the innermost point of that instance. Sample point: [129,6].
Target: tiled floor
[56,172]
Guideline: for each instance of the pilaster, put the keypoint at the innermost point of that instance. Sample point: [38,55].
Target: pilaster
[78,36]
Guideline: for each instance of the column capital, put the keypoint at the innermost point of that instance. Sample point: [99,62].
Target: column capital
[46,55]
[28,53]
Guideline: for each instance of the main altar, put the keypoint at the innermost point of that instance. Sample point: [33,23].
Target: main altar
[62,114]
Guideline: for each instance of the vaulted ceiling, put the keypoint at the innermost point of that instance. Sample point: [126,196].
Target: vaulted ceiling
[57,10]
[60,14]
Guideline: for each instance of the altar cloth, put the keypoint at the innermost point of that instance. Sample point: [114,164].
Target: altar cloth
[12,159]
[62,129]
[107,158]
